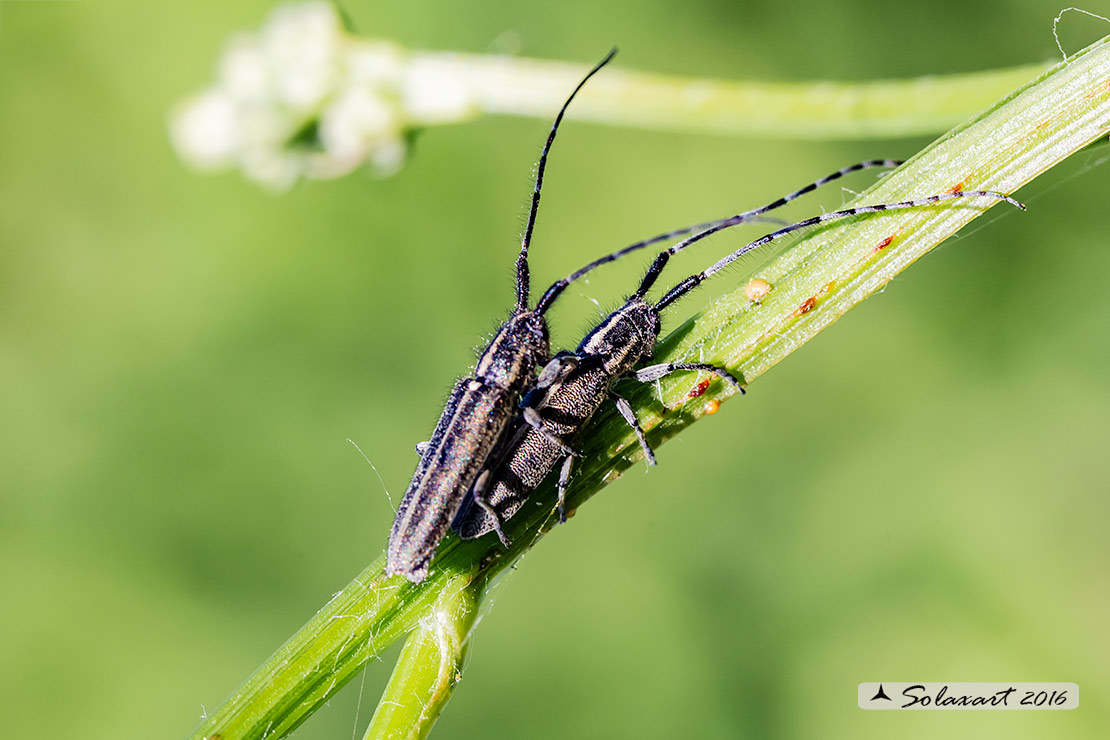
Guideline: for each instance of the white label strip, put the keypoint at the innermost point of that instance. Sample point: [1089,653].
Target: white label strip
[967,696]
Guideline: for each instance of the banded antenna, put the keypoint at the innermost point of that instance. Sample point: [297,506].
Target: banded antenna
[694,281]
[522,275]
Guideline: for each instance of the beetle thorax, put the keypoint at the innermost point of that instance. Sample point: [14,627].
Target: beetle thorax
[625,337]
[520,345]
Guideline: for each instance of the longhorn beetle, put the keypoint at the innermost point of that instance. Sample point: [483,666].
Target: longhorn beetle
[478,411]
[573,386]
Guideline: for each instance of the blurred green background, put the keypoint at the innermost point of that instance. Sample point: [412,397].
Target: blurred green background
[918,494]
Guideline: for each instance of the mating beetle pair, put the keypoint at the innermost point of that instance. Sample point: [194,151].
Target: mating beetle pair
[484,458]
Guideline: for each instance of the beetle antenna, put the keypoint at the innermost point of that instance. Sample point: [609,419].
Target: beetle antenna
[522,274]
[693,281]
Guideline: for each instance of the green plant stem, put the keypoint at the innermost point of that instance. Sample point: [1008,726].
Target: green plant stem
[821,109]
[815,282]
[430,665]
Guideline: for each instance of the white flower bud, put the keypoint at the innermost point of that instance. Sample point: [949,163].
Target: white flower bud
[302,72]
[244,71]
[388,158]
[302,46]
[205,130]
[357,123]
[275,169]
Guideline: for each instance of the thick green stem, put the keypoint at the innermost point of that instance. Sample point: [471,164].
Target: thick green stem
[815,282]
[430,665]
[358,623]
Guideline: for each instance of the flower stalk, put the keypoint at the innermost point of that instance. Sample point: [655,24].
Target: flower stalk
[305,98]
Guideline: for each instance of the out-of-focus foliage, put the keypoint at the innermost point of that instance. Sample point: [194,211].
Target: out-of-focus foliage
[919,494]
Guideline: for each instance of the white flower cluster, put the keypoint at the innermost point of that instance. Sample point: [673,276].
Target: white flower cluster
[304,98]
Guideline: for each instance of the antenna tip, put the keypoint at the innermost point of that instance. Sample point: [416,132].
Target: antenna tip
[999,196]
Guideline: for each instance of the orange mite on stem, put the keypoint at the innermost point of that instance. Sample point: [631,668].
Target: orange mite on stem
[699,389]
[757,289]
[711,407]
[809,305]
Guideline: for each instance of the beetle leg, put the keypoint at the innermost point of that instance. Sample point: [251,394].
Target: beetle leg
[536,422]
[629,415]
[479,493]
[655,372]
[564,478]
